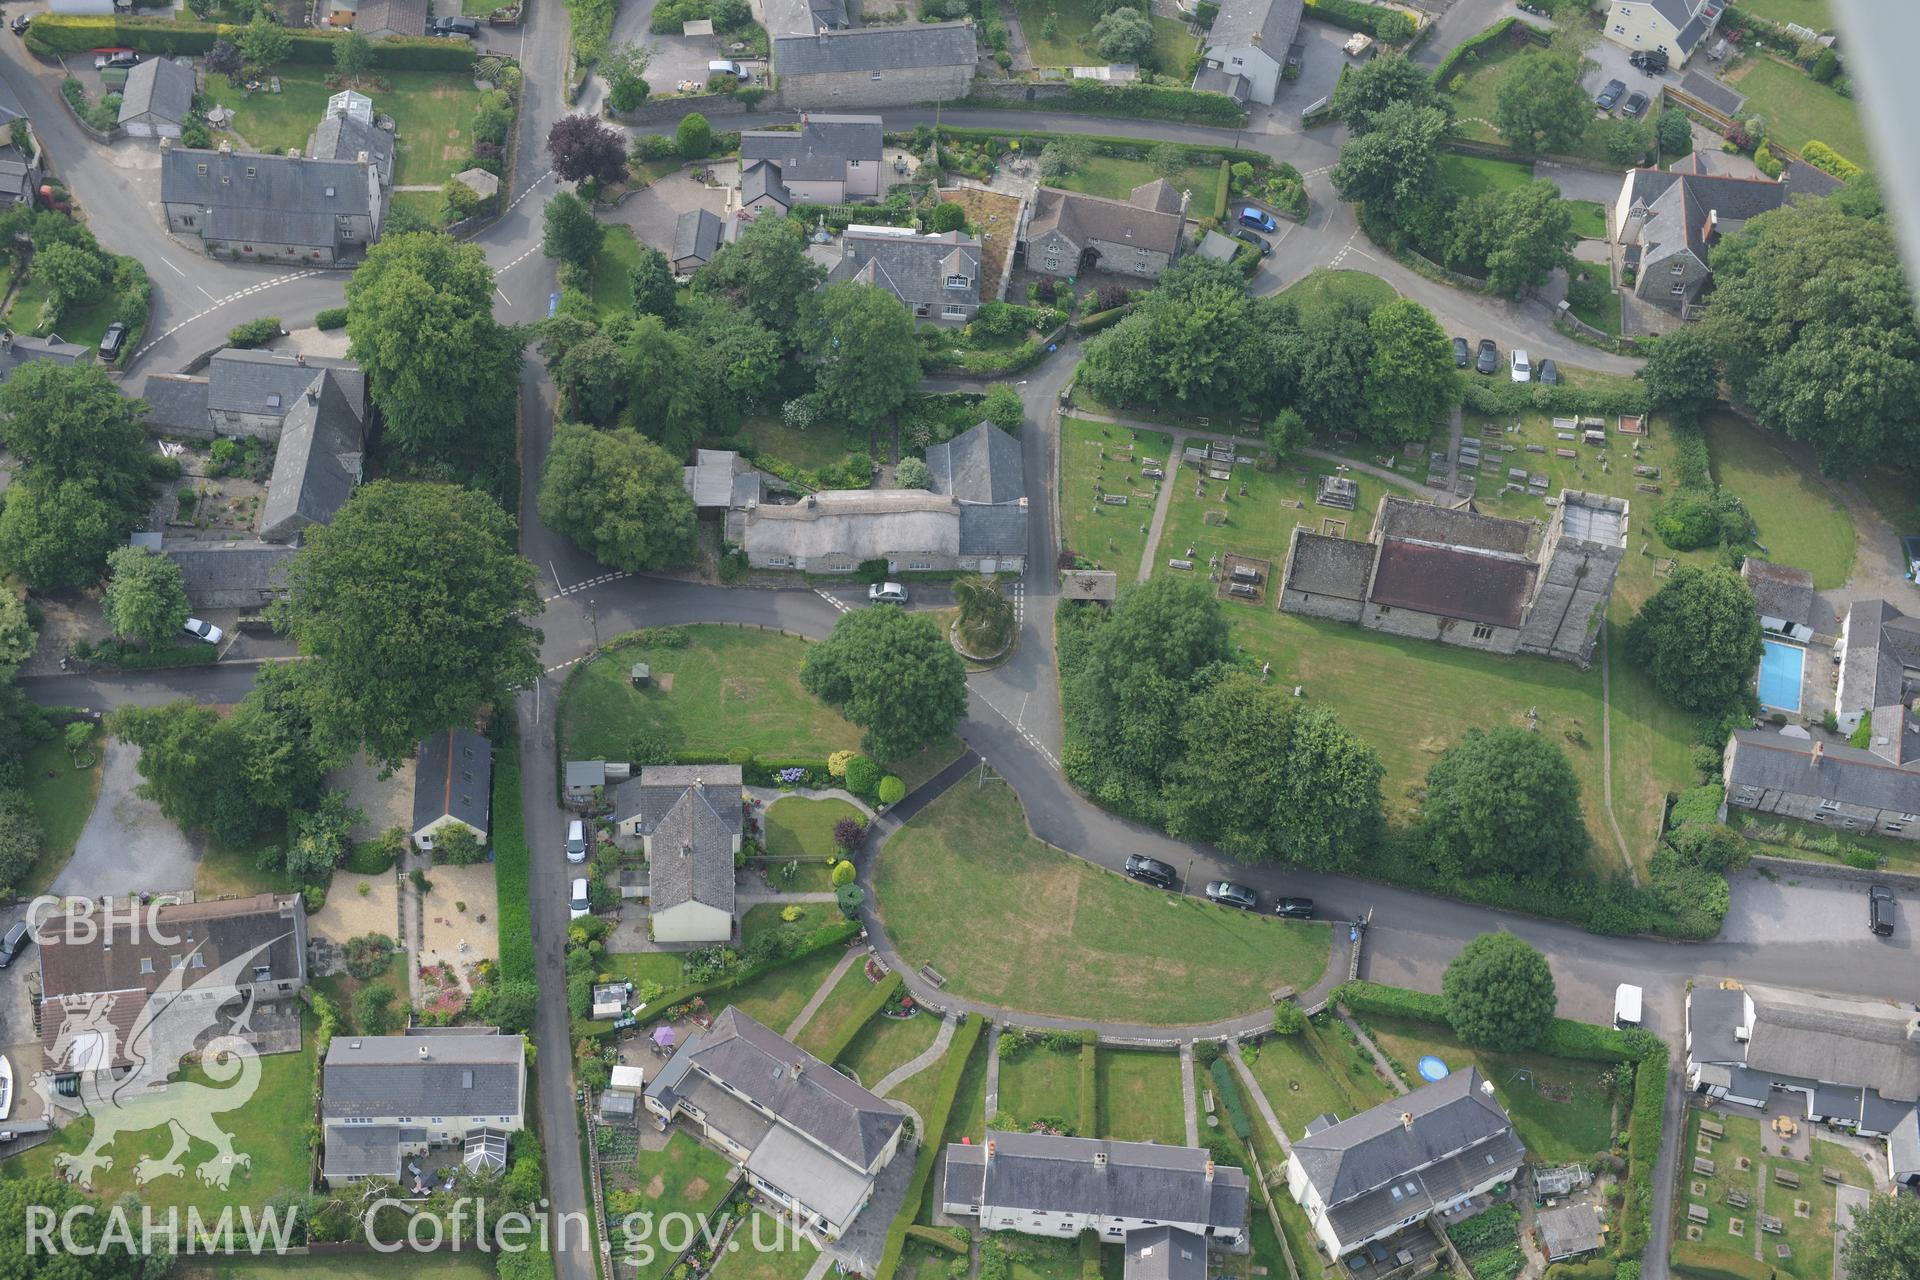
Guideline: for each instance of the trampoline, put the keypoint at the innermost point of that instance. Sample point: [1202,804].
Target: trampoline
[1431,1069]
[1780,666]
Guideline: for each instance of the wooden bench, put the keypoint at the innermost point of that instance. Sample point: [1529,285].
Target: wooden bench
[1712,1129]
[1703,1166]
[1786,1178]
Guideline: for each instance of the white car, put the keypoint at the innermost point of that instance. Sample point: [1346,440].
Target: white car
[886,593]
[203,631]
[1520,369]
[578,903]
[576,841]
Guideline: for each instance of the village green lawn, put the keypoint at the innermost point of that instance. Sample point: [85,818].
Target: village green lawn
[1115,177]
[62,797]
[1797,109]
[1048,933]
[1140,1096]
[921,767]
[619,254]
[763,1248]
[887,1043]
[800,828]
[1802,521]
[1041,1083]
[1113,537]
[836,1013]
[1320,289]
[432,113]
[732,687]
[408,1264]
[681,1177]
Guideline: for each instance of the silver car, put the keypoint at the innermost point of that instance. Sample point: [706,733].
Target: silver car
[886,593]
[203,631]
[1229,894]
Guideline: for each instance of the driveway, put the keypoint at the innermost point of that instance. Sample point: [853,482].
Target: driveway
[1576,183]
[676,57]
[128,845]
[653,211]
[1461,21]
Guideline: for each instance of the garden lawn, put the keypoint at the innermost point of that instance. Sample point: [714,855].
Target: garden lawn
[921,767]
[1812,14]
[432,113]
[1115,177]
[1301,1084]
[776,997]
[1039,1258]
[1895,493]
[78,324]
[1797,109]
[1554,1131]
[1071,47]
[1605,314]
[886,1043]
[235,869]
[820,445]
[1048,933]
[640,967]
[800,828]
[837,1012]
[271,1128]
[408,1264]
[731,687]
[1140,1096]
[1041,1083]
[1473,106]
[681,1177]
[1320,289]
[1113,537]
[619,254]
[62,798]
[425,203]
[1802,522]
[763,1248]
[1476,175]
[966,1120]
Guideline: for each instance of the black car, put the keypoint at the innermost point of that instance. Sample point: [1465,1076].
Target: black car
[1460,357]
[110,341]
[124,60]
[1537,10]
[1489,358]
[1151,870]
[1651,61]
[20,23]
[1610,94]
[1255,239]
[1635,104]
[14,943]
[1229,894]
[1294,908]
[1880,910]
[459,28]
[1549,373]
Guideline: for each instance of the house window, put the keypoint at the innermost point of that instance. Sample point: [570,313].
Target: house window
[273,400]
[1678,291]
[1385,609]
[1483,632]
[146,964]
[959,282]
[773,562]
[920,565]
[1677,269]
[876,75]
[952,313]
[173,962]
[202,168]
[1619,30]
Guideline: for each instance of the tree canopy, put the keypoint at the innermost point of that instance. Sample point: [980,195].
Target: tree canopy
[1539,103]
[618,496]
[1698,637]
[1396,163]
[650,283]
[1410,380]
[766,273]
[411,602]
[1682,373]
[892,673]
[1505,801]
[1515,237]
[582,148]
[1125,35]
[1372,86]
[1884,1240]
[570,233]
[146,597]
[1197,339]
[1499,994]
[869,356]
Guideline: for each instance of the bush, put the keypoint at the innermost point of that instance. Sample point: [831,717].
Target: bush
[254,332]
[1288,1019]
[892,790]
[376,857]
[331,318]
[1702,518]
[837,763]
[368,954]
[1696,804]
[693,137]
[842,874]
[863,777]
[1227,1090]
[1821,156]
[511,860]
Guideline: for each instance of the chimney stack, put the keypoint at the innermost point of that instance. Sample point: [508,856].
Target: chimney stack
[423,1052]
[1209,1171]
[1819,751]
[1406,1119]
[1100,1159]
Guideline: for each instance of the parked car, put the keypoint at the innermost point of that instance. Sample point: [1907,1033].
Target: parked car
[1294,908]
[110,341]
[1651,61]
[1258,219]
[1635,105]
[20,23]
[578,902]
[1254,238]
[1610,94]
[886,593]
[1537,10]
[14,943]
[203,631]
[1489,356]
[1549,373]
[1151,870]
[1229,894]
[1461,358]
[1880,910]
[457,27]
[576,841]
[1518,366]
[117,59]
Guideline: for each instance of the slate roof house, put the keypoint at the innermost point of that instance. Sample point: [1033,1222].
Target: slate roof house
[1665,225]
[804,17]
[688,820]
[347,131]
[376,18]
[984,470]
[1165,1204]
[935,276]
[452,785]
[1246,49]
[720,479]
[810,1138]
[271,207]
[696,238]
[19,174]
[1452,574]
[157,99]
[1873,789]
[17,349]
[1069,233]
[824,69]
[1879,655]
[385,1100]
[128,955]
[832,159]
[1389,1167]
[1853,1062]
[1784,596]
[1675,27]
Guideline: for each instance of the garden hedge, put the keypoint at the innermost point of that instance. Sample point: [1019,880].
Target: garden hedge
[1152,101]
[511,862]
[1089,1083]
[1468,49]
[1585,1269]
[952,1067]
[877,997]
[1099,320]
[1507,398]
[1227,1089]
[53,34]
[194,655]
[1701,1262]
[946,1238]
[837,934]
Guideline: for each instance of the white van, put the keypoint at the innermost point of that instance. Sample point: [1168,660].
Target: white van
[1626,1006]
[578,901]
[576,841]
[725,67]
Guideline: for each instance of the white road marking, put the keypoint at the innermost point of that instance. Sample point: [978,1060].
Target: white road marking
[841,605]
[582,585]
[529,191]
[177,271]
[503,297]
[1028,737]
[1347,248]
[221,302]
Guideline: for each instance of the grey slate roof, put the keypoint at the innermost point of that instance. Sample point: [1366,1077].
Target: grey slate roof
[804,17]
[11,108]
[1780,591]
[214,568]
[791,1083]
[696,235]
[159,87]
[761,179]
[400,17]
[20,348]
[1903,1145]
[1083,218]
[1713,1013]
[1137,1180]
[796,1166]
[419,1076]
[175,402]
[453,777]
[362,1151]
[584,775]
[316,463]
[651,794]
[1691,211]
[936,44]
[1457,583]
[1805,179]
[1269,24]
[1881,643]
[1721,97]
[1326,566]
[913,268]
[18,175]
[1845,775]
[1380,1148]
[1568,1230]
[693,851]
[984,469]
[272,198]
[267,384]
[1165,1253]
[711,477]
[341,137]
[819,152]
[1452,526]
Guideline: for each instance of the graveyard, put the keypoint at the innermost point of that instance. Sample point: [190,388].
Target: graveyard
[1106,503]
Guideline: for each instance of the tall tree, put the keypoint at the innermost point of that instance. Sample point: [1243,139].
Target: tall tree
[1699,638]
[411,604]
[1681,373]
[1370,88]
[581,148]
[744,354]
[593,375]
[669,385]
[57,533]
[1330,354]
[1394,165]
[569,231]
[146,598]
[264,43]
[1884,1241]
[869,356]
[352,55]
[1531,231]
[1125,35]
[1194,340]
[624,68]
[650,283]
[1505,802]
[767,273]
[70,423]
[1539,103]
[1411,383]
[892,673]
[618,496]
[1499,994]
[443,373]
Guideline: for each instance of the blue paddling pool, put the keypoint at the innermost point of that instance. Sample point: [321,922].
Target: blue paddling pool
[1432,1069]
[1780,666]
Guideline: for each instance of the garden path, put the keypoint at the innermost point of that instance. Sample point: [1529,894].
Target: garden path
[767,795]
[993,1071]
[826,988]
[1606,758]
[747,901]
[1380,1063]
[907,1070]
[1187,1104]
[1252,1086]
[1160,504]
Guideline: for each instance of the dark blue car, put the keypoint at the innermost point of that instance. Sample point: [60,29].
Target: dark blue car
[1259,219]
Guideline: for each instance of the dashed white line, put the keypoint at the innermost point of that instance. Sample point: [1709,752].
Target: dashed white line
[1345,249]
[1019,602]
[841,605]
[221,302]
[583,584]
[1030,740]
[530,188]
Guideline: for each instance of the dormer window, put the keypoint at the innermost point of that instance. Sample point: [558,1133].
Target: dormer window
[273,399]
[959,282]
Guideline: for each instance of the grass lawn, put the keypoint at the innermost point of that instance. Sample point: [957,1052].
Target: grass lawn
[1140,1096]
[79,324]
[968,1118]
[1797,109]
[681,1177]
[271,1128]
[763,1248]
[637,967]
[919,769]
[730,687]
[821,446]
[1802,521]
[1589,219]
[1605,314]
[1070,46]
[1553,1130]
[1473,104]
[62,798]
[1476,175]
[1048,933]
[408,1264]
[619,254]
[235,869]
[1788,838]
[1814,14]
[1323,287]
[1895,494]
[432,113]
[1041,1083]
[1038,1258]
[1300,1082]
[776,998]
[1111,536]
[425,203]
[887,1043]
[798,828]
[1115,177]
[836,1013]
[340,987]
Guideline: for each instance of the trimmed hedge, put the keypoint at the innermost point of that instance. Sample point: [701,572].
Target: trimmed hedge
[1701,1262]
[186,655]
[1089,1085]
[63,33]
[1467,49]
[1099,320]
[330,318]
[1227,1089]
[1697,804]
[839,933]
[1151,101]
[511,862]
[959,1052]
[1645,1126]
[1220,196]
[877,998]
[1585,1269]
[947,1238]
[1507,398]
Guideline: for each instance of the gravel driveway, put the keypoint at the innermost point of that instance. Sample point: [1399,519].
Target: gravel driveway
[128,844]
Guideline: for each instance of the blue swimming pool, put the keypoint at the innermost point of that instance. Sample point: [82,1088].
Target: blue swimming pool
[1780,676]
